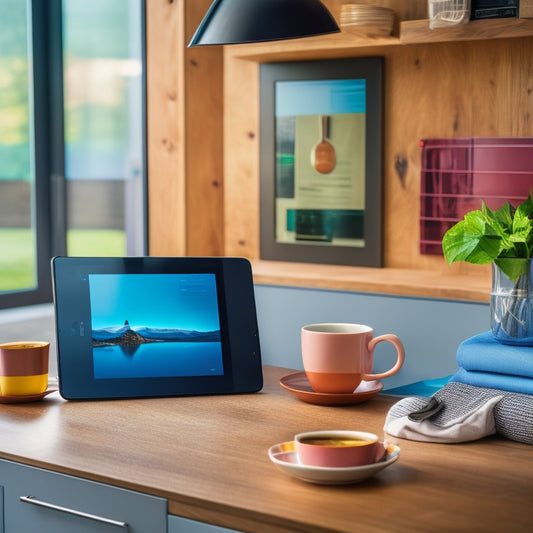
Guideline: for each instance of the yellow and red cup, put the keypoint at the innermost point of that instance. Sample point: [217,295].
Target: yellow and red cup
[23,368]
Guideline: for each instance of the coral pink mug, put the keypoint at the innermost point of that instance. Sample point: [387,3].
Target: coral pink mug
[337,357]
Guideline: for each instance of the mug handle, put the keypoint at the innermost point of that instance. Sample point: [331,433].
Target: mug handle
[399,361]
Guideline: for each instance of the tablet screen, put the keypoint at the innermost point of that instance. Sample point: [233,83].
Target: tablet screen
[149,325]
[153,326]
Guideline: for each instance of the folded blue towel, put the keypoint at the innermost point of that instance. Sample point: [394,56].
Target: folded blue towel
[483,353]
[492,380]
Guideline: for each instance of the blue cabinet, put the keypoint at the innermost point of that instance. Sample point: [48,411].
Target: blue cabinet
[37,500]
[47,502]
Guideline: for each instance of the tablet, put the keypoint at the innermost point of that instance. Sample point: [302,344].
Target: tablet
[151,326]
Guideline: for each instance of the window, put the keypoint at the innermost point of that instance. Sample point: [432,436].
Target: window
[104,162]
[72,137]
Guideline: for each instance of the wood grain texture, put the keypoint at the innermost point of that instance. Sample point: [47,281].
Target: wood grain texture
[166,129]
[404,9]
[204,196]
[456,89]
[204,141]
[208,457]
[424,99]
[418,31]
[526,9]
[241,156]
[401,282]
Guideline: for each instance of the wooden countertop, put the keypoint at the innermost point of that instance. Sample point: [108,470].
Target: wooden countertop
[208,457]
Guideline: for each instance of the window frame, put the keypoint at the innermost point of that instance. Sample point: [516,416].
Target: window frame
[49,194]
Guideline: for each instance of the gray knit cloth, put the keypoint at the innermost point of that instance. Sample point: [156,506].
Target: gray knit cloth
[513,414]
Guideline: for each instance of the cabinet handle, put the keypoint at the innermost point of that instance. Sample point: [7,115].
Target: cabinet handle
[101,519]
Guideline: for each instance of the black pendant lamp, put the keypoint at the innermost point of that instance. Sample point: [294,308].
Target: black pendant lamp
[249,21]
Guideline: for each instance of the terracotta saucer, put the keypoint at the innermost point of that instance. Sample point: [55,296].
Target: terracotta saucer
[26,398]
[299,385]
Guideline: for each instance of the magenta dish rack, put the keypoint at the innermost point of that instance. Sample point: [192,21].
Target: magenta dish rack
[458,174]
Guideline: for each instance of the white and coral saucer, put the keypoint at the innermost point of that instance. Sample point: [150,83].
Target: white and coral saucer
[285,457]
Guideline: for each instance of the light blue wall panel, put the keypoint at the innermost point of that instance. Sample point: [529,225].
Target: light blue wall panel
[431,330]
[178,524]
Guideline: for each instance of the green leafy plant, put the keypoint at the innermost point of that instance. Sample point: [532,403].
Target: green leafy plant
[485,236]
[505,238]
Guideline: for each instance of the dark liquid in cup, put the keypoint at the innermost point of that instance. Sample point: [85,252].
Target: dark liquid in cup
[334,442]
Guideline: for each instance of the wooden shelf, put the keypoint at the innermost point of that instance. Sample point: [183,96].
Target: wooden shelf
[326,46]
[400,282]
[426,278]
[217,196]
[418,31]
[410,32]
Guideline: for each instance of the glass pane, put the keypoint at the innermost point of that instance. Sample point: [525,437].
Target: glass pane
[102,65]
[17,180]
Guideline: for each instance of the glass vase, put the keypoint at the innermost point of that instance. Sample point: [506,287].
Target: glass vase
[511,305]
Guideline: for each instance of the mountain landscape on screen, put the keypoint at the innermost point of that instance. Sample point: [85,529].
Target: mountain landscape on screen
[126,335]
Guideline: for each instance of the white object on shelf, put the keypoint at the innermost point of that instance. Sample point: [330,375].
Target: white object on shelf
[448,12]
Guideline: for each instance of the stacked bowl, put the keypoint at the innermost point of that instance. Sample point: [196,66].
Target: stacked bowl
[367,20]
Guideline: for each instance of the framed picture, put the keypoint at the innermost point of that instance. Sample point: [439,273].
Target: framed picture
[321,161]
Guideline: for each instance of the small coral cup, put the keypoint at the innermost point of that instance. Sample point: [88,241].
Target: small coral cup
[23,368]
[338,449]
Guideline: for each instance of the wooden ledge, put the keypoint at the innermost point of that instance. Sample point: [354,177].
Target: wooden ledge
[418,31]
[401,282]
[324,46]
[346,44]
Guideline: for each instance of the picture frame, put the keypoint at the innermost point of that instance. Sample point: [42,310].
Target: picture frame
[321,161]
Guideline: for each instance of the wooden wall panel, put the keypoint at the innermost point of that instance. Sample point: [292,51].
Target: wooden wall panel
[166,129]
[503,102]
[456,89]
[204,141]
[203,108]
[522,88]
[423,100]
[447,90]
[241,157]
[185,138]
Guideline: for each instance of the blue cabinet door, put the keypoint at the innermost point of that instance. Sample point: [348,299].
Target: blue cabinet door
[47,502]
